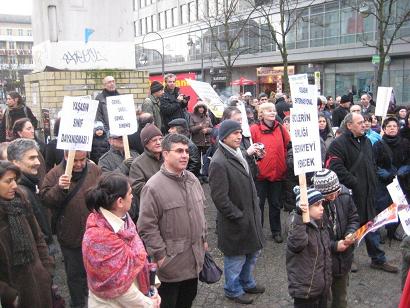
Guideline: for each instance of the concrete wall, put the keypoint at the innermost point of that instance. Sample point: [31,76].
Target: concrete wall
[46,90]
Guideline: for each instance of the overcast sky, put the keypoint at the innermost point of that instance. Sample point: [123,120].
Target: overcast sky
[16,7]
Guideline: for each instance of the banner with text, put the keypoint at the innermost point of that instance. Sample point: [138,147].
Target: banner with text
[209,96]
[304,127]
[77,123]
[121,115]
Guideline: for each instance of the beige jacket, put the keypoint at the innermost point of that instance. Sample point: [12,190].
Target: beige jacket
[172,224]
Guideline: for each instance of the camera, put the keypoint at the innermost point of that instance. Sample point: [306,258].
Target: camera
[261,150]
[186,97]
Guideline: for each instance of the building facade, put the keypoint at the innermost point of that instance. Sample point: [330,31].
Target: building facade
[16,42]
[329,38]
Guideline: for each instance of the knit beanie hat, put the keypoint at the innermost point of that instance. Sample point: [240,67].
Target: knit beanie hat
[228,127]
[312,194]
[156,86]
[326,181]
[148,132]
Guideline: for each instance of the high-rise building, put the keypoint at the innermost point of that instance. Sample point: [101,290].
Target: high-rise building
[16,41]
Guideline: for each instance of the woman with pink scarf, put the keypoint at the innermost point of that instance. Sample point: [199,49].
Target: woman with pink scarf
[114,255]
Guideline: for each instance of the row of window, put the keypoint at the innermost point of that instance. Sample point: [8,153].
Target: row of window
[16,45]
[16,32]
[167,19]
[16,60]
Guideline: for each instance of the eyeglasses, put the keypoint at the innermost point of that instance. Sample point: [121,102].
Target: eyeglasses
[180,151]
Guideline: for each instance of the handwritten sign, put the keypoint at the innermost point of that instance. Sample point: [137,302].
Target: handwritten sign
[77,123]
[304,127]
[121,115]
[208,95]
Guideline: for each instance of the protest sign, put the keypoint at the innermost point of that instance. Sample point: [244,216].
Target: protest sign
[387,216]
[304,131]
[398,197]
[384,95]
[208,96]
[245,124]
[77,124]
[121,115]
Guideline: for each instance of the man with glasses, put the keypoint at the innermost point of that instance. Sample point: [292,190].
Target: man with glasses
[350,156]
[342,221]
[173,226]
[148,163]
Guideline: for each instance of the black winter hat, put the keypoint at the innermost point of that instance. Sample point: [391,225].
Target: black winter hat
[344,99]
[156,86]
[228,127]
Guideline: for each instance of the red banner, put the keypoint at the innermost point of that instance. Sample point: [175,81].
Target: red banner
[183,85]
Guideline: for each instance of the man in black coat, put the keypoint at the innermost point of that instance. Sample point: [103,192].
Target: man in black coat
[173,104]
[109,90]
[240,236]
[350,156]
[341,111]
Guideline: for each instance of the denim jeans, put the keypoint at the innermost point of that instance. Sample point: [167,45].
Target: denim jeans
[271,191]
[238,271]
[374,251]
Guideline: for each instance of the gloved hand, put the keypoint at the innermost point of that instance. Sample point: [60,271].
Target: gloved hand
[128,162]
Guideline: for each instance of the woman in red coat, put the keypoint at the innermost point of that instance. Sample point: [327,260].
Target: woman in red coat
[272,168]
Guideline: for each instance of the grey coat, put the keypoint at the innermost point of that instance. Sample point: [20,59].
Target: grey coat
[234,194]
[151,105]
[113,161]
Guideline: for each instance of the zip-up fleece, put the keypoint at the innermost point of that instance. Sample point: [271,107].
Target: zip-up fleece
[308,258]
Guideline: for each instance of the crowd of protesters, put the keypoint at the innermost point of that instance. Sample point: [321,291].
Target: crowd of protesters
[117,220]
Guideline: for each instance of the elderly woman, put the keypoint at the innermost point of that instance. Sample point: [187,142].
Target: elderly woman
[114,256]
[16,109]
[25,279]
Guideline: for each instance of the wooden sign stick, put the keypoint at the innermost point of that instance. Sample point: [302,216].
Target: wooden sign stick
[303,197]
[127,153]
[70,163]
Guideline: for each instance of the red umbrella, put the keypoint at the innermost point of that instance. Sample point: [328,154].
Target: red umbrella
[242,82]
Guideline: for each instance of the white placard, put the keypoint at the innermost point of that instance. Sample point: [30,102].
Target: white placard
[304,127]
[77,124]
[121,115]
[304,132]
[208,96]
[398,197]
[384,95]
[245,124]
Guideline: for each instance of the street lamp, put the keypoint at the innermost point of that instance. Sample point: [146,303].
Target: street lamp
[143,59]
[191,43]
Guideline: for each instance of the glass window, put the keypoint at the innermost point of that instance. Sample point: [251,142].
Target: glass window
[174,17]
[140,30]
[302,30]
[135,28]
[169,19]
[316,30]
[348,25]
[20,32]
[153,28]
[12,45]
[192,11]
[9,32]
[184,14]
[331,26]
[28,32]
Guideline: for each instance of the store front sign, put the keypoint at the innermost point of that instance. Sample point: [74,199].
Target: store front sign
[275,70]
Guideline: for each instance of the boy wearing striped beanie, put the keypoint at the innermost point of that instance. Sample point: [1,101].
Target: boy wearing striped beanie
[308,256]
[342,220]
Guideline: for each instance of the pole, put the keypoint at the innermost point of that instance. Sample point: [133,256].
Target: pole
[303,197]
[127,153]
[69,166]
